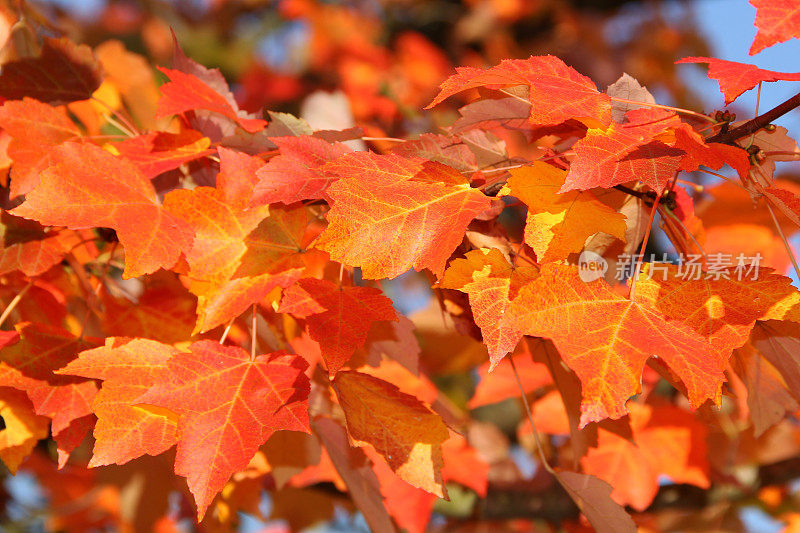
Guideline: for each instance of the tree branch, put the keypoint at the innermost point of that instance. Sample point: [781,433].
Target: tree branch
[752,126]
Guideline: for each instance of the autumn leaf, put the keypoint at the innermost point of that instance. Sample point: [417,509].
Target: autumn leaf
[158,152]
[27,248]
[442,149]
[128,368]
[33,127]
[501,384]
[606,339]
[28,366]
[557,92]
[63,72]
[768,397]
[229,405]
[85,186]
[722,310]
[297,173]
[237,176]
[401,428]
[735,78]
[777,21]
[339,317]
[22,428]
[605,158]
[392,213]
[558,224]
[666,441]
[714,155]
[186,92]
[592,496]
[238,254]
[491,282]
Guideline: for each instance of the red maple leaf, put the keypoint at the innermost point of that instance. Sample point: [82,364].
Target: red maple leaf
[229,405]
[735,78]
[338,318]
[777,21]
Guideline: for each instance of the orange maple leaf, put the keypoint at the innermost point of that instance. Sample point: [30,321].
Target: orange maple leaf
[606,339]
[393,213]
[491,282]
[666,440]
[399,426]
[238,254]
[34,127]
[85,186]
[777,21]
[558,224]
[128,368]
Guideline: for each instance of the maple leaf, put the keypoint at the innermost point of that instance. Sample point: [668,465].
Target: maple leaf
[769,399]
[557,92]
[559,224]
[392,213]
[28,366]
[735,78]
[22,428]
[237,176]
[713,155]
[158,152]
[777,21]
[628,88]
[85,186]
[339,317]
[606,339]
[34,127]
[442,149]
[604,158]
[401,428]
[491,282]
[500,383]
[63,72]
[128,368]
[186,92]
[592,496]
[27,248]
[666,441]
[229,405]
[297,173]
[721,310]
[238,255]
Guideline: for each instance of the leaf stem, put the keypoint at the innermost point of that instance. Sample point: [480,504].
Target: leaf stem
[783,238]
[227,330]
[670,108]
[13,303]
[632,292]
[253,334]
[536,436]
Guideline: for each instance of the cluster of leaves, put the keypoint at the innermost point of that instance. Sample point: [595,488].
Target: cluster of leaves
[183,274]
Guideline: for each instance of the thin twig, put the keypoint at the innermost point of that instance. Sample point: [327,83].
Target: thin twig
[632,292]
[536,437]
[785,241]
[13,303]
[757,123]
[254,334]
[227,330]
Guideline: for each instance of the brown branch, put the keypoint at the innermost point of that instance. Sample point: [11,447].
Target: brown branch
[752,126]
